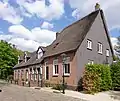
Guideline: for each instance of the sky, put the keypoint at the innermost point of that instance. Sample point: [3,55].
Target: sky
[29,24]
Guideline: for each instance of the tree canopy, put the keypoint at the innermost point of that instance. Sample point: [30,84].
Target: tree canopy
[8,58]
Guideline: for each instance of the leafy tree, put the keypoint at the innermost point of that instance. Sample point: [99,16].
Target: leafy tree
[8,59]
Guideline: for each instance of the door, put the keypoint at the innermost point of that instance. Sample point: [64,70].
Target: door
[47,73]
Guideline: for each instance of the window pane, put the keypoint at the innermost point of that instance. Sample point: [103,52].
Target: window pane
[107,52]
[56,69]
[89,44]
[99,48]
[67,68]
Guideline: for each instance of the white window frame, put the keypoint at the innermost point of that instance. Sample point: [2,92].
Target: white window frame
[100,48]
[107,52]
[90,62]
[45,69]
[89,44]
[55,62]
[67,62]
[27,74]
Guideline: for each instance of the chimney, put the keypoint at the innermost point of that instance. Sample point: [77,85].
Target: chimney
[57,35]
[25,56]
[97,6]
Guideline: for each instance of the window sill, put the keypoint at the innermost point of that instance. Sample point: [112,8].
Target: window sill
[66,75]
[55,75]
[89,48]
[99,53]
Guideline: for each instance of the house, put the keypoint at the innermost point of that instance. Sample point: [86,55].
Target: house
[84,42]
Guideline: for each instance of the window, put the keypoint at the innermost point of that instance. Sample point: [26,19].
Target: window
[99,48]
[67,69]
[47,73]
[18,74]
[90,62]
[67,66]
[22,72]
[27,74]
[89,44]
[40,53]
[35,74]
[107,52]
[30,72]
[55,67]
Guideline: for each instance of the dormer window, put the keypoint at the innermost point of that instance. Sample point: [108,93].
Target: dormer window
[39,53]
[25,56]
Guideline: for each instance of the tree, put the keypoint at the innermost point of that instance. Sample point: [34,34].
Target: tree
[117,47]
[8,59]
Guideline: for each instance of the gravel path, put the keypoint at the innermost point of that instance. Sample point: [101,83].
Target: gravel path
[18,93]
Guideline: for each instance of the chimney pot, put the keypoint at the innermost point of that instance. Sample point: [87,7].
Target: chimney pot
[97,6]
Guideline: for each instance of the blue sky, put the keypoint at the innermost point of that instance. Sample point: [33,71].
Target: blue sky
[32,23]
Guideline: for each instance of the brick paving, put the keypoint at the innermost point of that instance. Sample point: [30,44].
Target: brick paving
[18,93]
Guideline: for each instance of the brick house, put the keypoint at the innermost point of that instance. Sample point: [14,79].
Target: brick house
[85,41]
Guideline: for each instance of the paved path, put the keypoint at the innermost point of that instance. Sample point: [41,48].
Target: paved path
[18,93]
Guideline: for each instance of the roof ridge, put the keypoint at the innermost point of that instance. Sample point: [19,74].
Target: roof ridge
[80,20]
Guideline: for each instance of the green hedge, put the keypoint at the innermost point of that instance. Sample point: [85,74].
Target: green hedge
[97,78]
[115,73]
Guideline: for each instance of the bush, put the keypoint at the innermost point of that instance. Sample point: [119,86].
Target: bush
[97,78]
[115,74]
[57,86]
[47,84]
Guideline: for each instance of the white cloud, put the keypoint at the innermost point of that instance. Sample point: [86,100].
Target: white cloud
[47,25]
[28,40]
[8,13]
[39,8]
[26,45]
[76,14]
[110,7]
[114,41]
[20,31]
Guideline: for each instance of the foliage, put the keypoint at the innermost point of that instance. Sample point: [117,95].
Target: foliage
[57,86]
[115,73]
[8,59]
[97,78]
[47,84]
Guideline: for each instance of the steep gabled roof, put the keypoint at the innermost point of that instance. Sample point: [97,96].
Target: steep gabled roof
[72,36]
[69,39]
[33,60]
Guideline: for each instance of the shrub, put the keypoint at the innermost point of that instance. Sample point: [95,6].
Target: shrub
[47,84]
[96,78]
[115,74]
[57,86]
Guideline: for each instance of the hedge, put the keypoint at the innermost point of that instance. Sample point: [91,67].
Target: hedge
[115,73]
[96,78]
